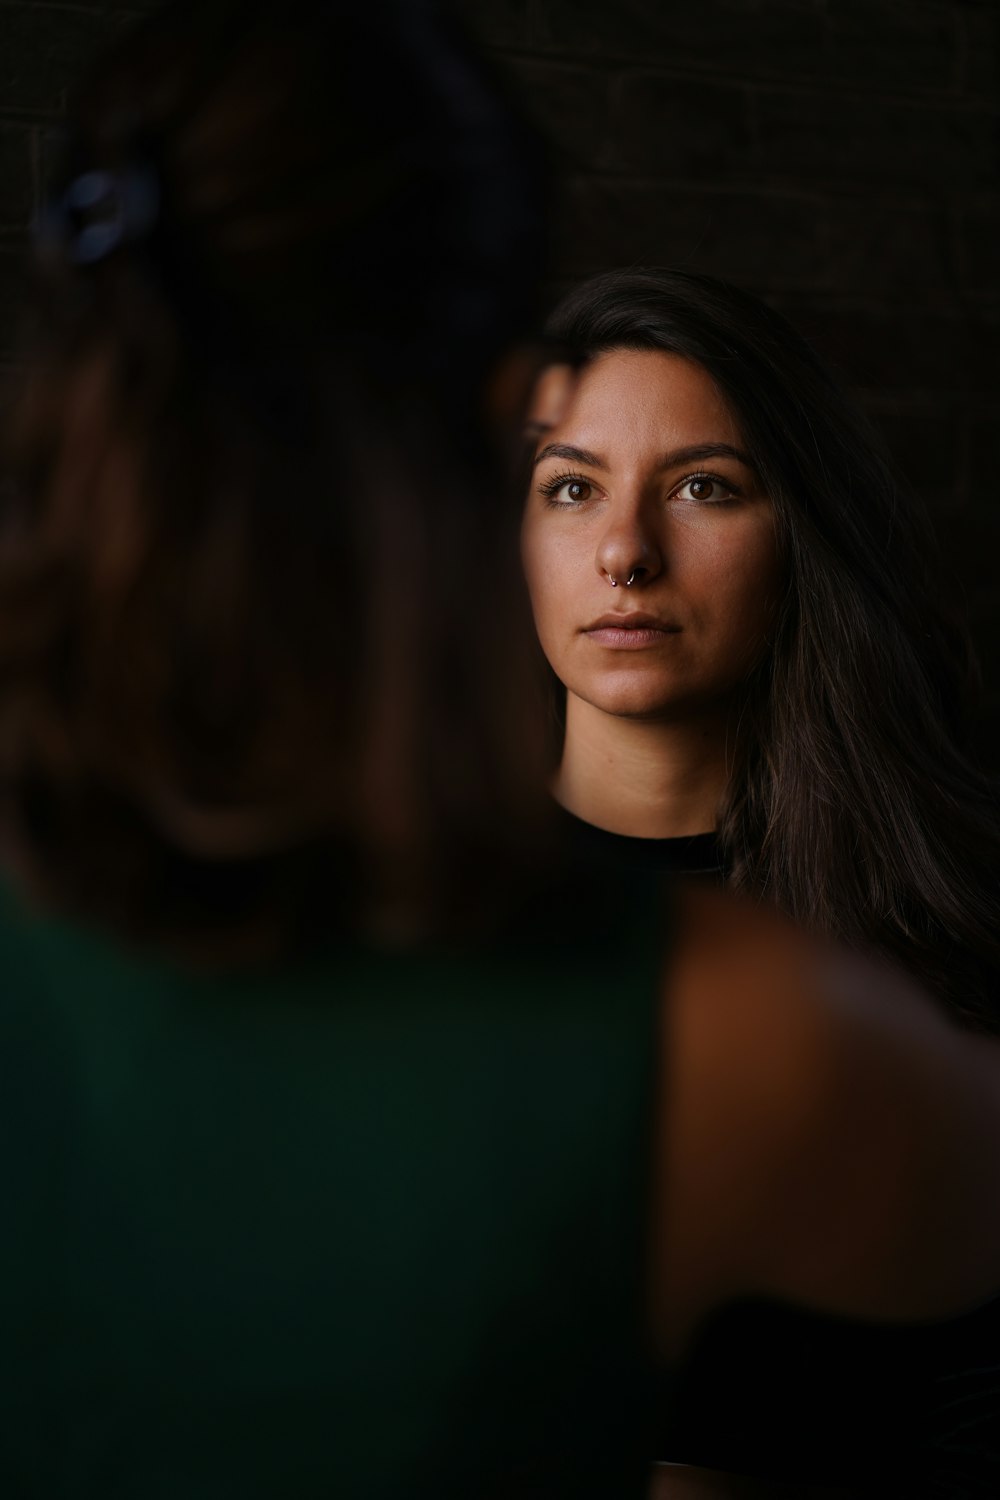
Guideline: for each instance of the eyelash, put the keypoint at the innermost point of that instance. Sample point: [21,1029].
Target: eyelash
[733,491]
[551,487]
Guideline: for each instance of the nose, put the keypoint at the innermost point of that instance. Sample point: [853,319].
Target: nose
[628,551]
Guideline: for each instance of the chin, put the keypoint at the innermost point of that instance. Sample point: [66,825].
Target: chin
[651,706]
[660,703]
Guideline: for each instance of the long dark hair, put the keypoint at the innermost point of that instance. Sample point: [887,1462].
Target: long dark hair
[259,593]
[854,802]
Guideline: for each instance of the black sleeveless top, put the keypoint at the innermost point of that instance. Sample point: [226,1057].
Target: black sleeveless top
[697,855]
[777,1393]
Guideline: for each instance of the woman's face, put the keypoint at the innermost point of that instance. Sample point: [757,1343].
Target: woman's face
[639,475]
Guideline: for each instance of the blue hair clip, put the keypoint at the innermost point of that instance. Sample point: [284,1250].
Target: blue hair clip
[100,211]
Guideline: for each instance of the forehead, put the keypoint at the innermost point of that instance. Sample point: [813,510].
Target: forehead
[633,397]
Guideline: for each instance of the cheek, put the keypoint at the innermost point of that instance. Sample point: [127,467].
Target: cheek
[755,588]
[739,582]
[532,556]
[550,567]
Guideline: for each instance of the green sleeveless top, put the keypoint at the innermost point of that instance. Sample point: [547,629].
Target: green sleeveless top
[371,1227]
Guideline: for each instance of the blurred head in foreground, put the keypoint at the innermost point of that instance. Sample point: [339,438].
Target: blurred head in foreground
[259,606]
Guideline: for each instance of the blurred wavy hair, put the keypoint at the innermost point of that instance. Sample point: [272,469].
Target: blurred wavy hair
[260,610]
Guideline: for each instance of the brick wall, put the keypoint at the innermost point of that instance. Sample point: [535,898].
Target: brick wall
[840,157]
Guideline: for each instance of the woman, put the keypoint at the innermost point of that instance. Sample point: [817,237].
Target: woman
[743,610]
[756,681]
[330,1102]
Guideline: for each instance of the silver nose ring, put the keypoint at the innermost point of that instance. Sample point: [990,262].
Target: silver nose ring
[628,582]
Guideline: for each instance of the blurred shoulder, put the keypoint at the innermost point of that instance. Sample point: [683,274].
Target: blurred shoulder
[827,1136]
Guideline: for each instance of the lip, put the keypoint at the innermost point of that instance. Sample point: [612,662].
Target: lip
[630,632]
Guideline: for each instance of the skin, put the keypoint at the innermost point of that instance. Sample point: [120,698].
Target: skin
[617,492]
[826,1137]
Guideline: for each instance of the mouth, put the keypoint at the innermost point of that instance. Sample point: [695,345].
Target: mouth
[630,632]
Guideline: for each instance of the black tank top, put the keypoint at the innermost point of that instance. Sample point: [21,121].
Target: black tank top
[781,1394]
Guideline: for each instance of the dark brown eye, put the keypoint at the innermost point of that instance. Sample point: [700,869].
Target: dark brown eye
[705,489]
[565,490]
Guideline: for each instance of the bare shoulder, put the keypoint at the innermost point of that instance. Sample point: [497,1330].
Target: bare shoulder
[826,1135]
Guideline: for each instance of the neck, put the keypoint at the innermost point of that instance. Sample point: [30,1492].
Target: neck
[642,779]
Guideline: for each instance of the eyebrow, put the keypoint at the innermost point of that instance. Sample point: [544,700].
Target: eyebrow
[677,457]
[700,451]
[575,455]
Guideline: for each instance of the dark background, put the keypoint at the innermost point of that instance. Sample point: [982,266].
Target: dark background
[838,157]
